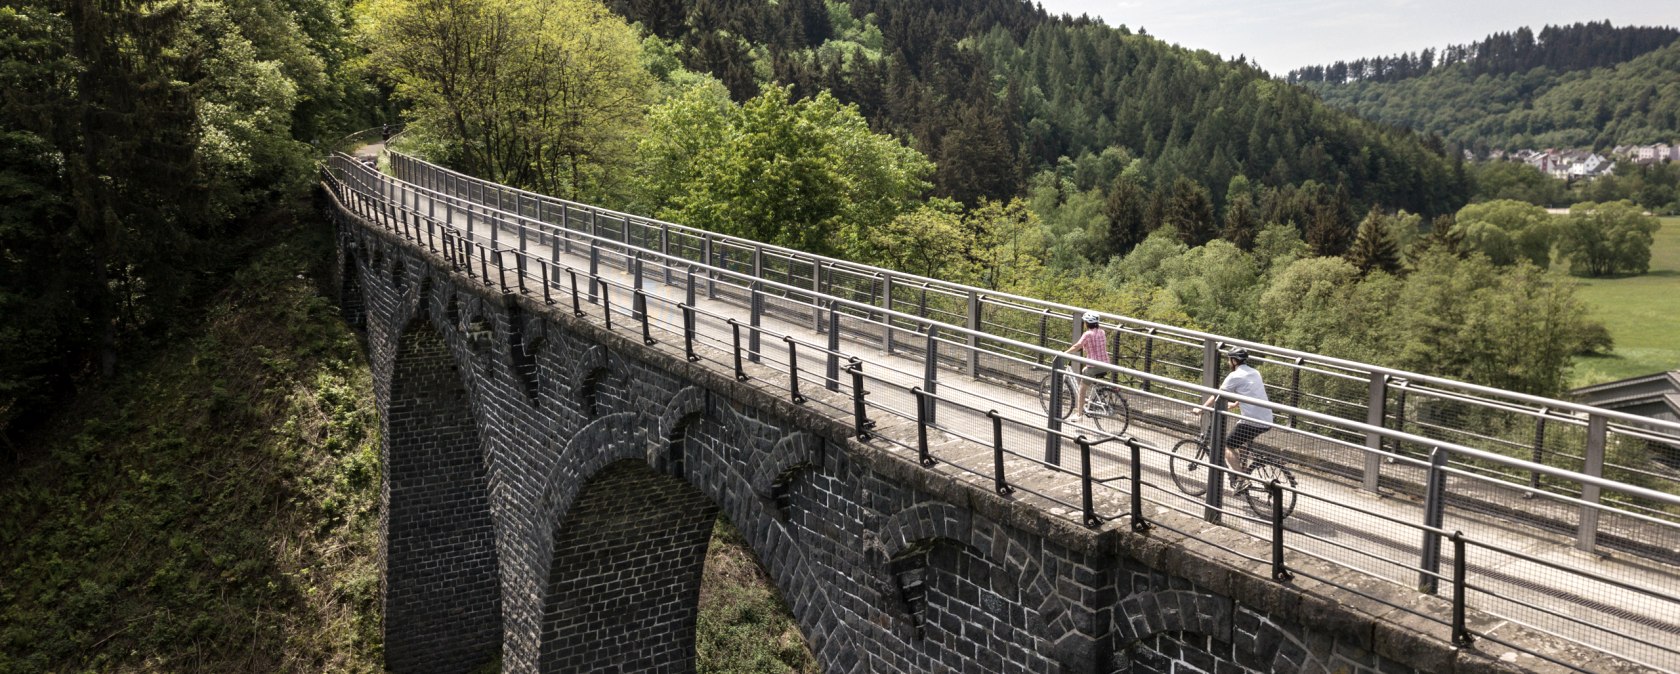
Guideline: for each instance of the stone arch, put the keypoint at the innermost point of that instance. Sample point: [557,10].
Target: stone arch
[522,351]
[773,471]
[442,592]
[1146,614]
[399,274]
[666,449]
[991,569]
[587,374]
[1238,636]
[608,480]
[624,586]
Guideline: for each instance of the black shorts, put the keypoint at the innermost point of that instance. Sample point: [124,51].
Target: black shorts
[1244,433]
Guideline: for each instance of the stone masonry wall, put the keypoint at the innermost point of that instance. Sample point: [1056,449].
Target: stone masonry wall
[603,458]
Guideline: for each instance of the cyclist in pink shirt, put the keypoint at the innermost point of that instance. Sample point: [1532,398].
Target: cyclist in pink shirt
[1094,341]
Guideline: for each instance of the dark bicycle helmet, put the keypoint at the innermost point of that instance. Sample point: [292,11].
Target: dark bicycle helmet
[1238,354]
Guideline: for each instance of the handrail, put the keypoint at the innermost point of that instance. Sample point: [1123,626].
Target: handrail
[1030,302]
[370,185]
[1276,406]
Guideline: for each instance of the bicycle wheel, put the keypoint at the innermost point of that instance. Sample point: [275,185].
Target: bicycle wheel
[1261,474]
[1068,394]
[1109,410]
[1186,466]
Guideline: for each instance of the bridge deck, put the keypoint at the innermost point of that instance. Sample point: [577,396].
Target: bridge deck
[1335,519]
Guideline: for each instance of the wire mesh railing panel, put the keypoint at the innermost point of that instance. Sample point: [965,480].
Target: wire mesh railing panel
[1561,477]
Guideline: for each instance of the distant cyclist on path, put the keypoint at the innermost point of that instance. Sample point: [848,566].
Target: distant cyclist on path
[1095,343]
[1256,419]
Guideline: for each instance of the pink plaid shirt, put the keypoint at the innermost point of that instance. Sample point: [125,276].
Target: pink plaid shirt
[1095,344]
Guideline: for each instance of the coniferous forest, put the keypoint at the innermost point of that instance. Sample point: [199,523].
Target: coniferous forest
[1585,85]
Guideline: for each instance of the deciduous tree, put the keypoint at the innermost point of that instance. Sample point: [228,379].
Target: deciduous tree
[1609,238]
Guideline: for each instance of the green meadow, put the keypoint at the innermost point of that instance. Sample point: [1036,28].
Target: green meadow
[1642,313]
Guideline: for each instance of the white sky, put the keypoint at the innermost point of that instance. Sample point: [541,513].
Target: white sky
[1285,34]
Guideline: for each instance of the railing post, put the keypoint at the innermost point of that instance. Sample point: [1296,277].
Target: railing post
[665,250]
[566,228]
[833,347]
[711,277]
[972,361]
[577,306]
[1043,333]
[755,319]
[1597,428]
[1375,414]
[1280,572]
[1461,635]
[1210,364]
[471,237]
[1148,356]
[816,292]
[641,311]
[886,316]
[1216,478]
[688,332]
[740,372]
[1139,524]
[1295,391]
[636,281]
[1085,486]
[1539,449]
[594,267]
[606,302]
[793,370]
[1399,413]
[999,484]
[860,416]
[1053,437]
[1434,512]
[930,370]
[922,421]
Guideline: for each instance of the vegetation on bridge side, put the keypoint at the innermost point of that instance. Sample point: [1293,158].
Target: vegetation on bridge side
[214,507]
[745,625]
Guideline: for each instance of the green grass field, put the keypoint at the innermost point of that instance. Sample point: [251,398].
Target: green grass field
[1642,313]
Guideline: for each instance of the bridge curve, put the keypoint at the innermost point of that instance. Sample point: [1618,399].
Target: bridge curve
[662,368]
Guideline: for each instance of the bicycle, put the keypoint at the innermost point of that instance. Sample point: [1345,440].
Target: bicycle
[1189,470]
[1105,407]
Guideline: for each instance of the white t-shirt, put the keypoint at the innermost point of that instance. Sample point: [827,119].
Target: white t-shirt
[1245,381]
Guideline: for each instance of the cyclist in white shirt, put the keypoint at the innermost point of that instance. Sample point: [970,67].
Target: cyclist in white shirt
[1256,419]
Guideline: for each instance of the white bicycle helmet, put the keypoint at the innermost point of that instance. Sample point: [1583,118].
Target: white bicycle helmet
[1092,317]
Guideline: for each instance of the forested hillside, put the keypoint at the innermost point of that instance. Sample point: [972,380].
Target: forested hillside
[995,91]
[144,148]
[1585,86]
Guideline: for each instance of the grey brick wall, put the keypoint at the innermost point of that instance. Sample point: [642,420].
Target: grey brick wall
[442,608]
[550,485]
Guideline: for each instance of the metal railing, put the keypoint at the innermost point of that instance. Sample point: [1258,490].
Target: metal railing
[1407,434]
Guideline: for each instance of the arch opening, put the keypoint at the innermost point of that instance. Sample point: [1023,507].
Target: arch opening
[442,594]
[624,584]
[648,575]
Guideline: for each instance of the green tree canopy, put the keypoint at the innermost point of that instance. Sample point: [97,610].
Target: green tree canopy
[1609,238]
[805,174]
[1507,230]
[543,94]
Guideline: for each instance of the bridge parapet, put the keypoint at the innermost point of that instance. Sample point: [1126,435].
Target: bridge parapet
[644,283]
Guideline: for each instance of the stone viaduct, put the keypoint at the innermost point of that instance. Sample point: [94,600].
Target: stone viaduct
[551,486]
